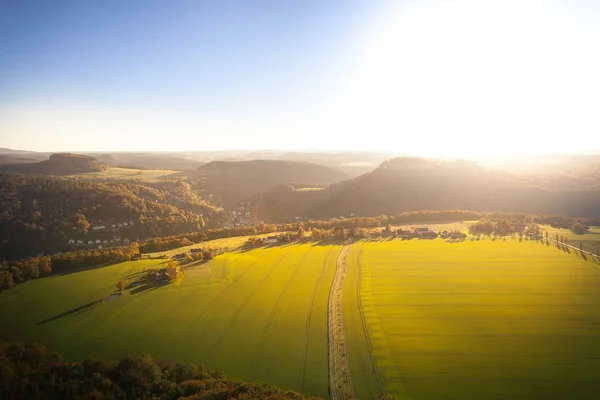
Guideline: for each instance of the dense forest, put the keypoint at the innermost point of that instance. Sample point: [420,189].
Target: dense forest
[406,184]
[42,214]
[32,372]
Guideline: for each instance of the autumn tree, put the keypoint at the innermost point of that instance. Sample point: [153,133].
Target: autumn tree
[121,285]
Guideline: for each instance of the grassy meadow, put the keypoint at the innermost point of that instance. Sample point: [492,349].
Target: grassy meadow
[259,315]
[590,241]
[424,319]
[131,174]
[473,320]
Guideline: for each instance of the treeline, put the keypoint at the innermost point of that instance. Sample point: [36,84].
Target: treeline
[40,214]
[33,372]
[15,272]
[358,226]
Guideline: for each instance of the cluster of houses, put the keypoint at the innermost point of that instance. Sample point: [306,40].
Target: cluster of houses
[241,216]
[427,233]
[113,241]
[114,226]
[421,233]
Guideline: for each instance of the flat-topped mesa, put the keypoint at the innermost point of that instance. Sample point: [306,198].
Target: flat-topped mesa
[61,164]
[70,157]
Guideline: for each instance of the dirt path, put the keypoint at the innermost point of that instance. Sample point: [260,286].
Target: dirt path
[340,382]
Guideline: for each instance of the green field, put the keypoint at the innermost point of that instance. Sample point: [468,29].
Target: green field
[473,320]
[423,319]
[259,315]
[131,174]
[590,241]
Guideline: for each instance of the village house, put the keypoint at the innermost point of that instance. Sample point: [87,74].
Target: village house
[98,227]
[195,251]
[98,241]
[105,241]
[126,241]
[113,226]
[179,257]
[80,241]
[90,242]
[71,241]
[271,239]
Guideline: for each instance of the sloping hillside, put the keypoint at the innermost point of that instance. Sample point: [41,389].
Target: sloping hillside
[407,184]
[233,182]
[40,214]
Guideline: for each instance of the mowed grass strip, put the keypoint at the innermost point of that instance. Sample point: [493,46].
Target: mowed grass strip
[488,319]
[217,313]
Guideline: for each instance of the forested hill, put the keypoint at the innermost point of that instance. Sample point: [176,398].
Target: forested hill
[41,214]
[233,182]
[59,164]
[407,184]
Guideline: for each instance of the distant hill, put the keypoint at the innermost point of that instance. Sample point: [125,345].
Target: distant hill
[234,182]
[408,184]
[59,164]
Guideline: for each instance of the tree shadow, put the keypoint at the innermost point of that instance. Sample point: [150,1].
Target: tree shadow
[148,286]
[73,311]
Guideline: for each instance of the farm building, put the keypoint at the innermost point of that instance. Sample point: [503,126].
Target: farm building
[271,239]
[425,233]
[179,257]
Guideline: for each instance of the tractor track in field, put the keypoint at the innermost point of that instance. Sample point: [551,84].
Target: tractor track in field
[364,324]
[340,380]
[242,306]
[309,320]
[207,307]
[272,314]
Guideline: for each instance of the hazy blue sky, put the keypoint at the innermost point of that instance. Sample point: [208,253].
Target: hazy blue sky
[428,77]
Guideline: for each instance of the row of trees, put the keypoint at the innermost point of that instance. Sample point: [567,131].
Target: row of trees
[31,371]
[15,272]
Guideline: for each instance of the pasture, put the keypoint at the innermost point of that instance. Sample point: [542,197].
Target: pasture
[590,241]
[259,315]
[472,320]
[130,174]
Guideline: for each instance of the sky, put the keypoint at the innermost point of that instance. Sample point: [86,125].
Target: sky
[447,77]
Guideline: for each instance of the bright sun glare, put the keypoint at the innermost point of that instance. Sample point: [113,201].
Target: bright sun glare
[478,78]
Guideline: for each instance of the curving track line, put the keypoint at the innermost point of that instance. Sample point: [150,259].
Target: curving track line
[364,324]
[241,308]
[309,320]
[272,314]
[207,307]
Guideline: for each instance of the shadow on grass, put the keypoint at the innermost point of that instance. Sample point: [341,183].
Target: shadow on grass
[148,285]
[73,312]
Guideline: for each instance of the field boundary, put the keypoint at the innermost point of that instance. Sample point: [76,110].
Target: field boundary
[340,381]
[272,314]
[309,320]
